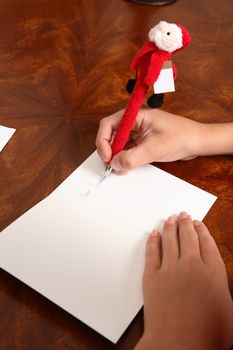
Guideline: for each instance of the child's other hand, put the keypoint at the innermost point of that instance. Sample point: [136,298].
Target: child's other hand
[186,294]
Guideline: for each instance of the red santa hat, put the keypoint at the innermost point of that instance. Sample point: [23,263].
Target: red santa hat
[186,39]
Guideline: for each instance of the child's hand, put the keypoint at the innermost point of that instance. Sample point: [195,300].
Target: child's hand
[157,136]
[186,295]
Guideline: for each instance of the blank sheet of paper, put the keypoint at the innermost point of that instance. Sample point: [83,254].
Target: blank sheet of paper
[83,246]
[5,135]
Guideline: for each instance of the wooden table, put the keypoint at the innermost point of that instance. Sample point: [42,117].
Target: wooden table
[63,66]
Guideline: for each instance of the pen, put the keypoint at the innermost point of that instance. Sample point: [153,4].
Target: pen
[127,120]
[108,170]
[148,64]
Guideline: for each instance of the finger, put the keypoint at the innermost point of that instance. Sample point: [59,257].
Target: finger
[170,243]
[208,247]
[104,136]
[153,253]
[132,158]
[188,238]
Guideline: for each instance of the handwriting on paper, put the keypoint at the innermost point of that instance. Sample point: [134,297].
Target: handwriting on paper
[92,187]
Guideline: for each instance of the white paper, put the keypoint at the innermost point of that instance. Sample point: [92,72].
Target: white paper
[165,82]
[83,246]
[5,135]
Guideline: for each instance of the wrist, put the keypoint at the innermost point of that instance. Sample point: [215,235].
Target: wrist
[215,138]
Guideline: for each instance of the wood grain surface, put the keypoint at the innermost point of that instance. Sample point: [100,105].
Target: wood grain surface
[63,66]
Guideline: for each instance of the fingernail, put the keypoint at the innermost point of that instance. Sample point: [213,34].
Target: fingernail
[183,215]
[196,223]
[116,165]
[154,233]
[171,220]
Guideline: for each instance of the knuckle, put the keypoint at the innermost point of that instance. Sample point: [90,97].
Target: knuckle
[148,276]
[98,145]
[97,142]
[169,227]
[127,163]
[205,239]
[192,262]
[104,121]
[169,269]
[184,221]
[217,261]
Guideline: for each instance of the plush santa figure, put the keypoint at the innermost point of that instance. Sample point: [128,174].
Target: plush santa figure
[150,63]
[165,38]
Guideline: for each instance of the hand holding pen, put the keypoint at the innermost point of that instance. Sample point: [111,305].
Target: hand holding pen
[156,136]
[153,67]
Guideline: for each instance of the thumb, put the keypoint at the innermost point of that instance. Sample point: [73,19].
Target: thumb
[132,158]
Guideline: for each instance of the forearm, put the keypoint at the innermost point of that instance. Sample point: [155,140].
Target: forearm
[216,138]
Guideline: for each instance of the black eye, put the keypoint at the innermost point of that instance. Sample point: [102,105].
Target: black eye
[168,33]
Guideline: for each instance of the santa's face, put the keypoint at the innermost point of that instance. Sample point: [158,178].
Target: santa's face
[166,36]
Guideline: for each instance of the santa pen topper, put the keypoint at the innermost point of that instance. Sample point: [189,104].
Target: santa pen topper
[153,66]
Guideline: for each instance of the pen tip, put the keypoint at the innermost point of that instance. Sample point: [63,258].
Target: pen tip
[108,170]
